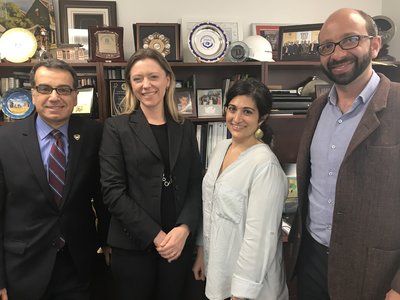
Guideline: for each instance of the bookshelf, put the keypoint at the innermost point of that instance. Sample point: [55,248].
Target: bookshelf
[287,74]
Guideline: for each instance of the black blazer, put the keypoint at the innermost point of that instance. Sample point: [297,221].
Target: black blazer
[131,177]
[30,221]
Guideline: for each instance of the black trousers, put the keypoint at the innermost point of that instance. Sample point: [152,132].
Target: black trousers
[312,270]
[145,275]
[65,283]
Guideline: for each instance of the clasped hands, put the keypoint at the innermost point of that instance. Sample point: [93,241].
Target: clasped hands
[170,245]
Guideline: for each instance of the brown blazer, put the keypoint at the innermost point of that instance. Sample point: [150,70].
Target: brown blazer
[364,254]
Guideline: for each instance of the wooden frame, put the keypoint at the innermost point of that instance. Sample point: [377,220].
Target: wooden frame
[106,44]
[185,102]
[163,37]
[77,16]
[209,103]
[271,33]
[299,42]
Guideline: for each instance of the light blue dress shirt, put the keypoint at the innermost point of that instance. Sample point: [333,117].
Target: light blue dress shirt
[329,145]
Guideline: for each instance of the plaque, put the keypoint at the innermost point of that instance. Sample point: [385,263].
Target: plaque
[117,93]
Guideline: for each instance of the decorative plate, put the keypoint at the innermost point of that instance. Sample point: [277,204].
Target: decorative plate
[208,42]
[17,103]
[159,42]
[17,45]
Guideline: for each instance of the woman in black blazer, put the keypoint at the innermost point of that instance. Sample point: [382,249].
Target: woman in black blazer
[151,177]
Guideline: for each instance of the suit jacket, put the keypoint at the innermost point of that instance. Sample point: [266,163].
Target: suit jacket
[364,254]
[30,220]
[131,177]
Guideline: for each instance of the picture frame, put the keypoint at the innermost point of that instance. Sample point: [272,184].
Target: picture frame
[36,16]
[271,33]
[84,101]
[163,37]
[76,17]
[106,43]
[185,102]
[322,89]
[209,103]
[117,89]
[299,42]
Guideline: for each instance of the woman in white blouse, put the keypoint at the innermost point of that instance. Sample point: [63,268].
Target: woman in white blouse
[244,189]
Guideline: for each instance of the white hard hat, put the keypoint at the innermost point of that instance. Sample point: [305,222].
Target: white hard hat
[259,47]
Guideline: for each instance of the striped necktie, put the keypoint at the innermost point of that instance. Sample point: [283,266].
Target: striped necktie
[56,167]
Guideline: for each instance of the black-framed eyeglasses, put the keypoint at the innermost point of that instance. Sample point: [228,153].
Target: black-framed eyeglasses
[47,89]
[347,43]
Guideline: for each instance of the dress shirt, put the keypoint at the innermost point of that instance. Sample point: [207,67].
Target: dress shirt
[328,148]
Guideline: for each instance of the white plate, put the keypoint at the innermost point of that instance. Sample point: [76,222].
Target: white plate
[17,45]
[208,42]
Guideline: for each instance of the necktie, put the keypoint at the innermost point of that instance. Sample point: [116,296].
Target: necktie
[56,167]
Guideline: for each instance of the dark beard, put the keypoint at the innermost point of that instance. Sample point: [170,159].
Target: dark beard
[359,67]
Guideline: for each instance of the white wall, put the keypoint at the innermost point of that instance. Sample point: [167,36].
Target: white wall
[244,12]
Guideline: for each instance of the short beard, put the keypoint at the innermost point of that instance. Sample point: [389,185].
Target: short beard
[359,67]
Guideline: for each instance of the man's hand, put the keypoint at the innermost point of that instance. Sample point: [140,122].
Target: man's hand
[172,245]
[392,295]
[198,266]
[3,294]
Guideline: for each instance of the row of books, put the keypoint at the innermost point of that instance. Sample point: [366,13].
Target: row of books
[208,135]
[117,73]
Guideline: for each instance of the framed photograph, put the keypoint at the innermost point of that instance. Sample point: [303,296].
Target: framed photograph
[163,37]
[36,16]
[117,93]
[106,43]
[185,102]
[209,103]
[84,101]
[76,17]
[299,42]
[271,33]
[322,89]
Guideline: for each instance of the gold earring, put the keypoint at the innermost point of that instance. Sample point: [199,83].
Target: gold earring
[259,134]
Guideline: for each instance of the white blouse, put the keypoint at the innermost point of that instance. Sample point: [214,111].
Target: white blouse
[242,225]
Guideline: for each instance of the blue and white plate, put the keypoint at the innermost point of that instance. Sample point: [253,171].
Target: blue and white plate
[17,103]
[208,42]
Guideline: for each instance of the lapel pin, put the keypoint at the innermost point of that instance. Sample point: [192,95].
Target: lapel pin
[77,136]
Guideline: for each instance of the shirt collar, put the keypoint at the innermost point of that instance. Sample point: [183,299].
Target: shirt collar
[44,129]
[365,95]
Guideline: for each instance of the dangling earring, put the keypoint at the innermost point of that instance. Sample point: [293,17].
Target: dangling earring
[259,134]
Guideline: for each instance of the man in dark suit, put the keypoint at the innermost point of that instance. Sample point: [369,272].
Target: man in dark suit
[346,231]
[48,234]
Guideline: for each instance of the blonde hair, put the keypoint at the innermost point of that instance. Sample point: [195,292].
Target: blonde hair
[130,103]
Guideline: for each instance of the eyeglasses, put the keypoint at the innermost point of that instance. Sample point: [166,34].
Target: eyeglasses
[347,43]
[47,90]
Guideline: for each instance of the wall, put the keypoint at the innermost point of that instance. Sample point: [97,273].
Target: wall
[244,12]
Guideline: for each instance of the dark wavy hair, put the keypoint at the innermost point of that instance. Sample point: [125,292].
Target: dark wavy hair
[261,96]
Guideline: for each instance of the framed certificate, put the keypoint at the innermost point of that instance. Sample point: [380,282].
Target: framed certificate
[106,44]
[84,101]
